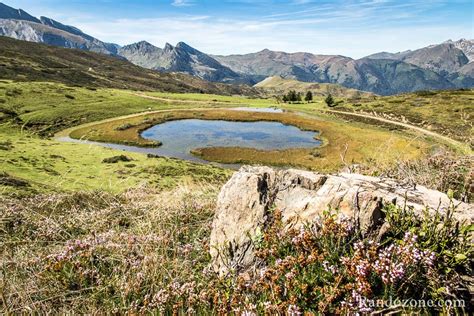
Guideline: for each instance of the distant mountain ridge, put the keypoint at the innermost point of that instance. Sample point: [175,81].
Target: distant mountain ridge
[88,69]
[18,24]
[181,58]
[443,66]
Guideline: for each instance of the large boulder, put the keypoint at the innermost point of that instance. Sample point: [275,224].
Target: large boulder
[245,200]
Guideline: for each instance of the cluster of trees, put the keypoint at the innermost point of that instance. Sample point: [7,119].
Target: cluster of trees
[293,96]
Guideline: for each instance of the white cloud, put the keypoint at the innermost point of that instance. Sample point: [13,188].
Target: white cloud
[182,3]
[354,28]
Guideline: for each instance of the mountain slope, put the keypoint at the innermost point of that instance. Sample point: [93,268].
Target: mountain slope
[20,25]
[393,76]
[444,58]
[7,12]
[41,33]
[467,47]
[142,54]
[26,61]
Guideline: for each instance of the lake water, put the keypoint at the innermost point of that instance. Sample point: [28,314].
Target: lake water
[180,137]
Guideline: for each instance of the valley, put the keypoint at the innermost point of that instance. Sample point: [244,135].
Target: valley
[136,179]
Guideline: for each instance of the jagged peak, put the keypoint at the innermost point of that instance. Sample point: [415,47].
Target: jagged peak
[141,44]
[168,47]
[7,12]
[187,48]
[183,45]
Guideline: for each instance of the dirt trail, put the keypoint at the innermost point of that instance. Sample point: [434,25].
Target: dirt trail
[180,101]
[447,139]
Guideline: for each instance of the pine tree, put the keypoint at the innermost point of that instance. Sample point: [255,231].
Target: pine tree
[309,96]
[292,96]
[329,101]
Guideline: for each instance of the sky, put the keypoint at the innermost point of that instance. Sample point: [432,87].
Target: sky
[354,28]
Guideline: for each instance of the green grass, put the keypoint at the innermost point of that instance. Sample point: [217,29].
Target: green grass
[57,166]
[33,111]
[50,107]
[46,109]
[214,98]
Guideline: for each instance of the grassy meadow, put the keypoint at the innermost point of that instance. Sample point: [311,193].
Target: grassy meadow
[448,112]
[88,229]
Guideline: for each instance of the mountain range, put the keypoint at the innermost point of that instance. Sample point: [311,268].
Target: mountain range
[442,66]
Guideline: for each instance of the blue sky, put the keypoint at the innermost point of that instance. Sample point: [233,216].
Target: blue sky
[354,28]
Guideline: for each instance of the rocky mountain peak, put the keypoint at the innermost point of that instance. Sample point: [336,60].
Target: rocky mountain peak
[466,45]
[184,46]
[168,48]
[142,46]
[7,12]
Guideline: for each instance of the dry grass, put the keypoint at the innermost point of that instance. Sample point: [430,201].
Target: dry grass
[442,171]
[98,252]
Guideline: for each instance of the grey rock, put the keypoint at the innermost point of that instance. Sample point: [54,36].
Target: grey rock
[245,200]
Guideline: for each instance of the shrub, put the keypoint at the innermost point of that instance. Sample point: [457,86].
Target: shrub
[327,267]
[329,101]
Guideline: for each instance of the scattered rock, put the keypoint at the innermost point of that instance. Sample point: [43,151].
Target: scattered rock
[8,180]
[244,203]
[116,159]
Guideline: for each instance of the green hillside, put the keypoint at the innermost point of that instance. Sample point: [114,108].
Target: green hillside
[276,86]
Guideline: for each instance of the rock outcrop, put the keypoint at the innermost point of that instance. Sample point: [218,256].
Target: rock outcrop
[245,201]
